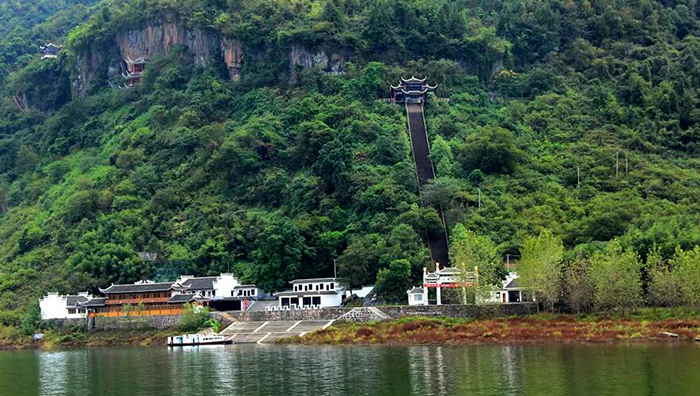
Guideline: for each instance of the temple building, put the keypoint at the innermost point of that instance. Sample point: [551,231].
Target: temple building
[143,298]
[312,293]
[56,306]
[50,51]
[223,292]
[412,90]
[134,71]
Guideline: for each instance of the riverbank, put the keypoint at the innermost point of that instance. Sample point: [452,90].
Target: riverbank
[10,338]
[649,325]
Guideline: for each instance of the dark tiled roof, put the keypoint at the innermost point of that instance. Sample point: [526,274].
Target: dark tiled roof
[95,302]
[139,288]
[244,286]
[416,290]
[313,280]
[204,283]
[513,284]
[182,298]
[73,301]
[306,293]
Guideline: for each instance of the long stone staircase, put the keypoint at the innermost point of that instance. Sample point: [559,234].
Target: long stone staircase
[425,171]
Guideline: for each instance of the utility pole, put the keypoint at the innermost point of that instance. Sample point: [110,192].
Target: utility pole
[578,177]
[617,164]
[479,198]
[627,165]
[335,269]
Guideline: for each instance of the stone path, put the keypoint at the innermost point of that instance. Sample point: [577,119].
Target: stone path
[270,332]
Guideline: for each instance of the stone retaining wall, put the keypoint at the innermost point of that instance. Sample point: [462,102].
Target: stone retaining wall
[62,323]
[461,311]
[134,322]
[394,312]
[271,316]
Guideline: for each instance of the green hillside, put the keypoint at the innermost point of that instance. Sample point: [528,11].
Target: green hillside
[575,116]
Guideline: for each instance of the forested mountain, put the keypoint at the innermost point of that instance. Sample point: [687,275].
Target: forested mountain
[256,142]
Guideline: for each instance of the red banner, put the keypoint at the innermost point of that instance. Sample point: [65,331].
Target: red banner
[464,284]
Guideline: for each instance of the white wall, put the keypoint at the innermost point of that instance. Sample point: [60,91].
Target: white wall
[331,300]
[224,285]
[54,306]
[413,301]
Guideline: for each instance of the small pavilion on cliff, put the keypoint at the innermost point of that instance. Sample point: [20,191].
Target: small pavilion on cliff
[411,90]
[50,51]
[135,68]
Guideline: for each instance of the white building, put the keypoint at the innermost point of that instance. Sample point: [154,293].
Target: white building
[312,293]
[210,286]
[56,306]
[417,296]
[510,292]
[223,292]
[252,291]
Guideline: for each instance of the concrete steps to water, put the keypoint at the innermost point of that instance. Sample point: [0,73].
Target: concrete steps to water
[269,332]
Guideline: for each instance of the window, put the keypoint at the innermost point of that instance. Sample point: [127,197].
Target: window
[231,293]
[285,302]
[418,297]
[332,286]
[322,286]
[307,300]
[71,310]
[294,301]
[316,301]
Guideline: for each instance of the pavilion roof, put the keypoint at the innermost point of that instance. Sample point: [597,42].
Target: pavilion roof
[144,287]
[413,79]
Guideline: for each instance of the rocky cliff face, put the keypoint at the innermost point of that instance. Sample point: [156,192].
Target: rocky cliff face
[301,57]
[86,70]
[232,52]
[156,38]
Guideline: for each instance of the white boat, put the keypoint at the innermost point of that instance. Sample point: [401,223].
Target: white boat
[198,339]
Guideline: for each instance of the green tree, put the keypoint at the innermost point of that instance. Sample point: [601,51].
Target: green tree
[492,150]
[361,259]
[278,254]
[665,288]
[31,319]
[578,287]
[193,317]
[616,277]
[540,267]
[687,265]
[333,164]
[393,282]
[470,250]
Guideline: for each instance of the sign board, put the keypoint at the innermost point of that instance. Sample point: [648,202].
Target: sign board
[462,284]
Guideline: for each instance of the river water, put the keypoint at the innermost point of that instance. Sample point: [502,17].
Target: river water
[356,370]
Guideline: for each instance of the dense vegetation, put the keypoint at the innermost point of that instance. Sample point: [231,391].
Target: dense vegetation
[577,119]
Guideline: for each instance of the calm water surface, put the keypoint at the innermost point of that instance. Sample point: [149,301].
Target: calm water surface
[287,370]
